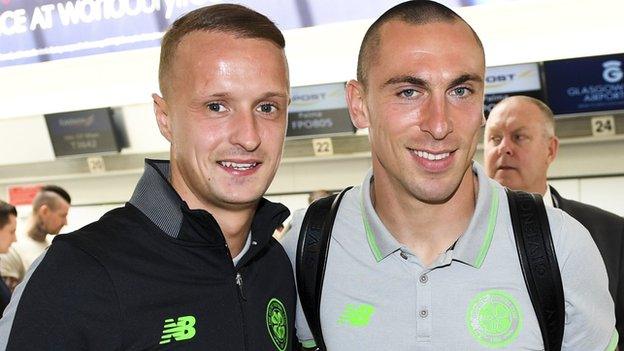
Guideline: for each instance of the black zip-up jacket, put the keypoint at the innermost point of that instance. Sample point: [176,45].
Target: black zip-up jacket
[155,275]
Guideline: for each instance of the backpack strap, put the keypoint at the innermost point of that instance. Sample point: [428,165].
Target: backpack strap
[539,264]
[312,249]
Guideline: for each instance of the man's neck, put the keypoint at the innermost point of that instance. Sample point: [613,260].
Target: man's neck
[36,232]
[234,221]
[426,229]
[235,226]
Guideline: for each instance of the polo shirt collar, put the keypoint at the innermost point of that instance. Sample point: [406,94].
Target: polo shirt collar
[380,241]
[471,248]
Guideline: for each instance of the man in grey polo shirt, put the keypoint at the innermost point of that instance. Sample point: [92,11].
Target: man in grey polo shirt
[423,255]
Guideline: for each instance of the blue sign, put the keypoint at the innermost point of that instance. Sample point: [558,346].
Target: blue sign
[42,30]
[585,84]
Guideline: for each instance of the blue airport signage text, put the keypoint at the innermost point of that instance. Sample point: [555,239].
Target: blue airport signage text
[588,84]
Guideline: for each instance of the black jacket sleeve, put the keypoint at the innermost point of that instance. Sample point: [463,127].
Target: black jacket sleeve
[68,302]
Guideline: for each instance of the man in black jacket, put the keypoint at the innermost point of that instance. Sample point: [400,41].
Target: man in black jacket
[189,263]
[520,144]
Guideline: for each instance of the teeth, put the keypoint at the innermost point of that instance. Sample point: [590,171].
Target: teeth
[237,166]
[432,157]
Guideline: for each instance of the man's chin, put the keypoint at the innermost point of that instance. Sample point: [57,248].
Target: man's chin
[510,182]
[242,199]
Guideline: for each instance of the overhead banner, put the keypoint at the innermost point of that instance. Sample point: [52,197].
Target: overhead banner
[42,30]
[504,81]
[588,84]
[82,132]
[318,110]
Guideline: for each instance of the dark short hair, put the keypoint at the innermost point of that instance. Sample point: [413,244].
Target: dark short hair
[6,210]
[229,18]
[48,195]
[416,12]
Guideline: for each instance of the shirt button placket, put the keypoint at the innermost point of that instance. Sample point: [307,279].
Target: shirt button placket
[423,303]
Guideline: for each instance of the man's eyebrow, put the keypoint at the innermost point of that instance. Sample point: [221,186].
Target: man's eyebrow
[274,94]
[219,95]
[405,79]
[465,78]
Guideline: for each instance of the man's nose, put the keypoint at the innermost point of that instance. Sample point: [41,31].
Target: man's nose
[244,131]
[436,120]
[505,147]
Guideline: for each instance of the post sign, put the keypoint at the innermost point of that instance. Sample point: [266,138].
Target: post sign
[82,132]
[588,84]
[504,81]
[319,110]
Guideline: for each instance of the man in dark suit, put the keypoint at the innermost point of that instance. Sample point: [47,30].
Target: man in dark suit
[520,144]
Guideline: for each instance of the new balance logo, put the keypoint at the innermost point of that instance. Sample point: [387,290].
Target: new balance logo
[357,315]
[183,329]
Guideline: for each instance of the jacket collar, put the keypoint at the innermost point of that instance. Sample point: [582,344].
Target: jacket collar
[556,198]
[156,198]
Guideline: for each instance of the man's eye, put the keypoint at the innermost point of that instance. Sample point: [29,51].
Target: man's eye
[408,93]
[460,91]
[216,107]
[267,108]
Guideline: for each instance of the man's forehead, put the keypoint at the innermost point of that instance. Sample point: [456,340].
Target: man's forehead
[452,40]
[224,44]
[509,118]
[432,31]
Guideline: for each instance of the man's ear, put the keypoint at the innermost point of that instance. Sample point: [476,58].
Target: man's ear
[356,103]
[43,210]
[553,149]
[162,116]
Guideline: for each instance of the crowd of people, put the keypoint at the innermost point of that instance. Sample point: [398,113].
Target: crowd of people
[421,255]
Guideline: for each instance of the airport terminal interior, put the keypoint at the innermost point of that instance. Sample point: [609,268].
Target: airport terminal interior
[531,47]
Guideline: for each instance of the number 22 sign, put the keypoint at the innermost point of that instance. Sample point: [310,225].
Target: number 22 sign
[323,147]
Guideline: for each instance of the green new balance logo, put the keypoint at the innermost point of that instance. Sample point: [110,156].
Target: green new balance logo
[183,329]
[357,315]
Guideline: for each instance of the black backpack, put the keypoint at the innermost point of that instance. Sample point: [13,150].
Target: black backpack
[533,241]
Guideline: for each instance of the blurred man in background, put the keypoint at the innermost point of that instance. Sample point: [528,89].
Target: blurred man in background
[520,144]
[8,223]
[49,215]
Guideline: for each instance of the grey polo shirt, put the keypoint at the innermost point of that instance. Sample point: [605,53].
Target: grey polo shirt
[377,295]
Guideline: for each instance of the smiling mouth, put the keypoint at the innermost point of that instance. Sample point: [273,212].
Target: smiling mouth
[238,166]
[430,156]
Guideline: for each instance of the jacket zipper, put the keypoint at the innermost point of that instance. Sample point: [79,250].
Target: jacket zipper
[238,280]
